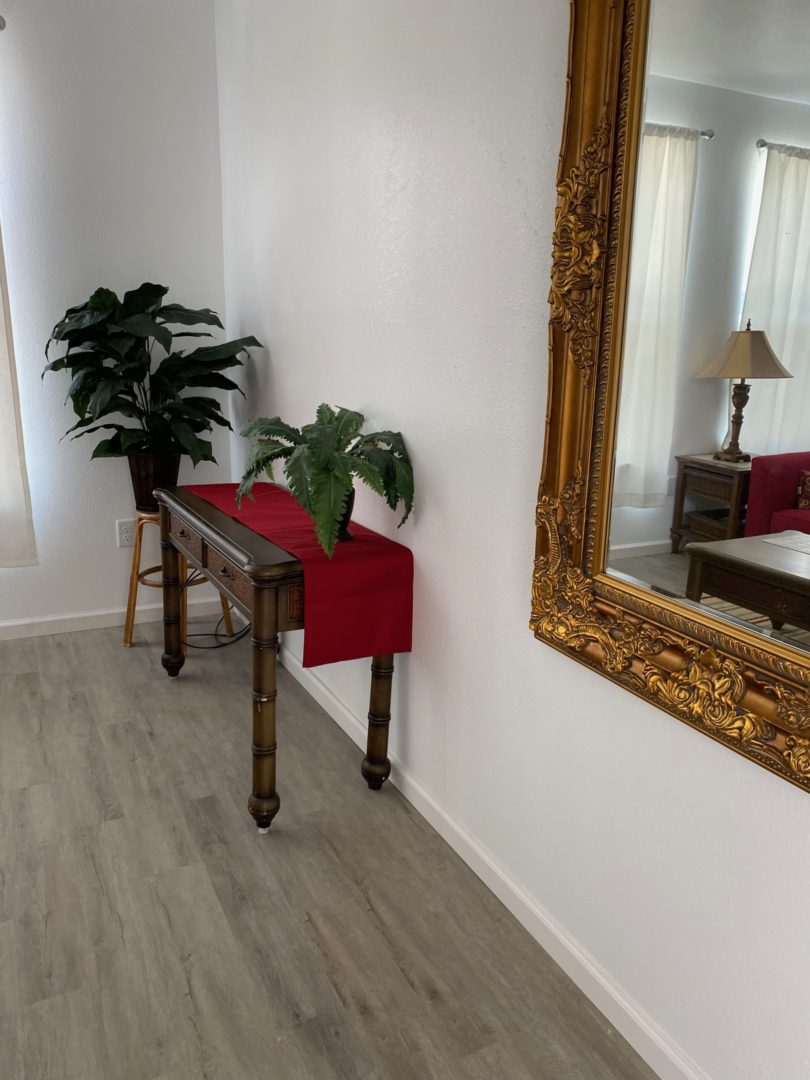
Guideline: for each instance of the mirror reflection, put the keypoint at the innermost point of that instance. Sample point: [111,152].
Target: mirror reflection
[711,489]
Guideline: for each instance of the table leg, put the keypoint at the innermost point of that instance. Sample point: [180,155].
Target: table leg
[694,582]
[264,802]
[376,767]
[172,658]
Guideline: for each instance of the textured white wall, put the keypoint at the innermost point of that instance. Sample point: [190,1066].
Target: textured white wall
[109,174]
[389,185]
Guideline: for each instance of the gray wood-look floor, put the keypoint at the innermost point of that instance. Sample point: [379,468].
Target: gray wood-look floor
[147,932]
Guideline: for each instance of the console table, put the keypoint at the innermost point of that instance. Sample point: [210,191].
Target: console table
[267,585]
[722,483]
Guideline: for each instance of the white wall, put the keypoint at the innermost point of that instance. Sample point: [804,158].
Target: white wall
[719,255]
[389,187]
[109,174]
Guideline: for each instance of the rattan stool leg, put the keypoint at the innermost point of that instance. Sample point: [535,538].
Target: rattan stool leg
[132,599]
[226,615]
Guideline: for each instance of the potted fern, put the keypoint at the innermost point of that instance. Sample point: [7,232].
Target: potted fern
[321,462]
[147,397]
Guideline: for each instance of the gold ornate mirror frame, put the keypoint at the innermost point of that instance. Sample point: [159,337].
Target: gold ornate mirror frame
[733,684]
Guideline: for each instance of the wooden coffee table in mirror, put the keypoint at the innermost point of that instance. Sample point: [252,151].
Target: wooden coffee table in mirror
[767,574]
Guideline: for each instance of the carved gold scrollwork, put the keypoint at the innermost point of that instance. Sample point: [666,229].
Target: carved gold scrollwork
[579,244]
[792,706]
[797,755]
[707,689]
[710,689]
[564,609]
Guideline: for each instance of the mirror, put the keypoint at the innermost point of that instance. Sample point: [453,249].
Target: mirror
[671,554]
[720,241]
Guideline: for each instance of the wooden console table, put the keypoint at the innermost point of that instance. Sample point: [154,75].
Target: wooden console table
[267,585]
[724,484]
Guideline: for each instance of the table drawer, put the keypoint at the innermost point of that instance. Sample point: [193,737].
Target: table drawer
[189,541]
[709,485]
[228,575]
[708,525]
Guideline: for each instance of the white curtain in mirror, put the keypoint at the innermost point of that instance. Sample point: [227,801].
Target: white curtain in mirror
[16,529]
[777,301]
[661,223]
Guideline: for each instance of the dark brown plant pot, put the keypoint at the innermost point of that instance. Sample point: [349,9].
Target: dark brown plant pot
[150,471]
[343,527]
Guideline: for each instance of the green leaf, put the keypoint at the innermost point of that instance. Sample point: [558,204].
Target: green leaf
[144,326]
[132,440]
[300,471]
[261,461]
[103,300]
[323,438]
[365,471]
[100,398]
[274,428]
[109,447]
[120,344]
[329,502]
[179,315]
[391,438]
[225,351]
[79,321]
[325,414]
[404,481]
[197,449]
[383,461]
[348,423]
[144,298]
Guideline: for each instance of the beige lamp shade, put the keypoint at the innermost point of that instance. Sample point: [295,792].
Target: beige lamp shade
[746,355]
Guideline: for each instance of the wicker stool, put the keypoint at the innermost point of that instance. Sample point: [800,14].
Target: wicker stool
[141,577]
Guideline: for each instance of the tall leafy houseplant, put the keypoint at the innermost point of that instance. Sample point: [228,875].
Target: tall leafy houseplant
[321,461]
[130,379]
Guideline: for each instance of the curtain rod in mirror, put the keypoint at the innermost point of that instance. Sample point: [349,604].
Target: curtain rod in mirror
[794,151]
[675,129]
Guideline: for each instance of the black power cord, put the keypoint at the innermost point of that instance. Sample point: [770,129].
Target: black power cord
[221,641]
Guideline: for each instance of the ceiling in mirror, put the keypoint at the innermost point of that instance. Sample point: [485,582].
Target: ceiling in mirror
[718,312]
[745,45]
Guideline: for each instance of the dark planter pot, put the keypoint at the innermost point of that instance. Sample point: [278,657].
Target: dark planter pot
[343,527]
[150,471]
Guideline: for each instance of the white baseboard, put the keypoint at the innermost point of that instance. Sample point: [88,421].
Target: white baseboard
[93,620]
[649,1040]
[646,547]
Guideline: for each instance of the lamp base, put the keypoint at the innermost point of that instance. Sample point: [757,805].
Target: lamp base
[739,399]
[735,456]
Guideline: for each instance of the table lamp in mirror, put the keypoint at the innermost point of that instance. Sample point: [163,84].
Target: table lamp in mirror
[746,355]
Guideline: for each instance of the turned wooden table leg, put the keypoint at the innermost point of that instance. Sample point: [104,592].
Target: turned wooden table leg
[376,767]
[264,802]
[172,658]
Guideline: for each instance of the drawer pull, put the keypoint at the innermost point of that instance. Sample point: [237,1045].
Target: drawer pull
[183,534]
[227,574]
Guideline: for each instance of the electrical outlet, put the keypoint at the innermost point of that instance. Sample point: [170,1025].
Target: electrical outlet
[125,532]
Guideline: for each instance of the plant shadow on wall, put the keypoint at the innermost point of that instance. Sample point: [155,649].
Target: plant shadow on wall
[321,461]
[124,365]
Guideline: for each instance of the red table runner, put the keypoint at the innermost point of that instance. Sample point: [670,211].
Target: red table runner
[359,602]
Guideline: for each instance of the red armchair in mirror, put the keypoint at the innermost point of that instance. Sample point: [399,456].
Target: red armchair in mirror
[773,494]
